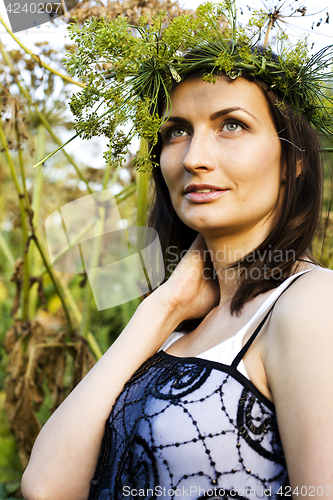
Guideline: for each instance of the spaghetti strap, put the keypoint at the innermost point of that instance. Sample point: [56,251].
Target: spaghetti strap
[245,348]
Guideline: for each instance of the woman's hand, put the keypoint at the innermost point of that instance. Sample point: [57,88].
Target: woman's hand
[191,290]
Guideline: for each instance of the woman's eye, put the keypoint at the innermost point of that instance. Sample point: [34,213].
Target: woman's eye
[232,127]
[177,132]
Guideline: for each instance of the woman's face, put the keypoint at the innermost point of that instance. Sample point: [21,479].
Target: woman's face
[221,156]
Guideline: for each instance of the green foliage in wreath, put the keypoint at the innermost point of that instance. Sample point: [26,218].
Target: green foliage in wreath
[128,70]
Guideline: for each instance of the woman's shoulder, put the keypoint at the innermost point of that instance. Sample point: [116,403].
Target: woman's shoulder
[299,339]
[298,364]
[307,305]
[311,288]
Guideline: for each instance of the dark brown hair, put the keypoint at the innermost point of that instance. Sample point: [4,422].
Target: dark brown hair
[296,224]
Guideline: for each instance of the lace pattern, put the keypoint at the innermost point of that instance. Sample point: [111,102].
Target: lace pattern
[183,427]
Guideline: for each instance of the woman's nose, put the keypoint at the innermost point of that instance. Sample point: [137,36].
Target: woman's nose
[200,153]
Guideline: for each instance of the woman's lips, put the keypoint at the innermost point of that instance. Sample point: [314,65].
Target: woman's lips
[203,193]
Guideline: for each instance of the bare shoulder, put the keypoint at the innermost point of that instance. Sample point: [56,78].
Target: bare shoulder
[298,357]
[308,301]
[300,332]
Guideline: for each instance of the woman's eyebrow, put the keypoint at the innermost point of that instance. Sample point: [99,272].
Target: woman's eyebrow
[176,119]
[225,111]
[214,116]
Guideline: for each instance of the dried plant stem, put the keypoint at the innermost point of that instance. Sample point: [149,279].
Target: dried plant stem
[21,163]
[43,346]
[26,266]
[55,283]
[11,166]
[35,205]
[36,58]
[38,184]
[22,212]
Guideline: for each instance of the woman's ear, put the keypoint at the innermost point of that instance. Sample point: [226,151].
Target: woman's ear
[298,170]
[284,174]
[298,167]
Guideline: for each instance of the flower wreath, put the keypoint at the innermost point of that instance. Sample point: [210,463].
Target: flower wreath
[127,70]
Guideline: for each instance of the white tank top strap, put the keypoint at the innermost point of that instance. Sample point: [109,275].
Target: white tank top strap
[170,340]
[225,352]
[263,309]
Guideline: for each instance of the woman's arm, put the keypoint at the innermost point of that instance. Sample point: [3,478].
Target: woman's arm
[65,454]
[299,365]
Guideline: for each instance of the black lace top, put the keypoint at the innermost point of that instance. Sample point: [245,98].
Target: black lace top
[190,428]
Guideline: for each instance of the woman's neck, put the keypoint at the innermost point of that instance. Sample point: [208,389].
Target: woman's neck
[225,253]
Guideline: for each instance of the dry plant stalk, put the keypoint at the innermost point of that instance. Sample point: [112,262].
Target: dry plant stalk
[39,359]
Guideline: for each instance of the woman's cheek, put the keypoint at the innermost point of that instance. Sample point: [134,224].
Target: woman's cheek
[170,172]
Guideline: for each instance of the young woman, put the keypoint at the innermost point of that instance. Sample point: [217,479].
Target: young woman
[239,407]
